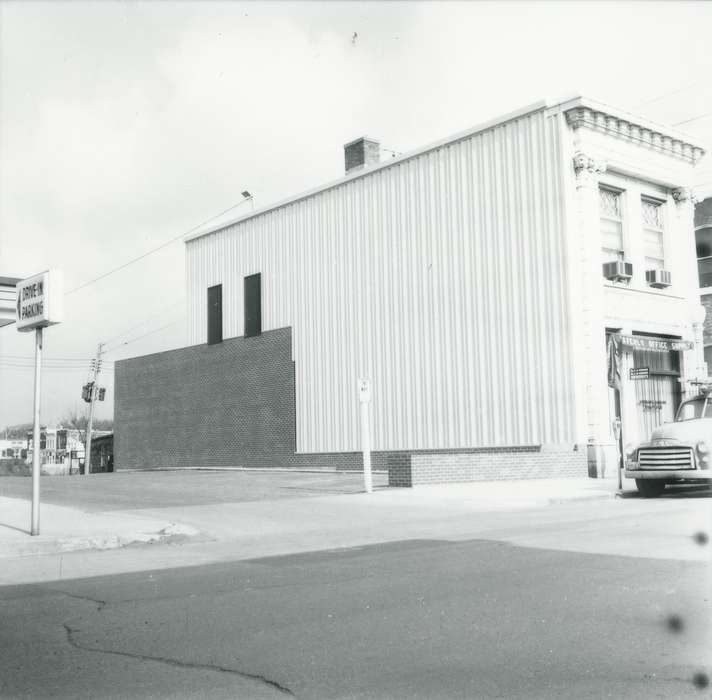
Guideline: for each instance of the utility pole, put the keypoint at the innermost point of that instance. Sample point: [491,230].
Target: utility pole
[96,368]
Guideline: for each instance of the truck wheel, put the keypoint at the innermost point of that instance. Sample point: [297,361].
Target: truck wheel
[650,488]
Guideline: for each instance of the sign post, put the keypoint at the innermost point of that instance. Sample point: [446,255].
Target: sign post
[364,397]
[35,529]
[39,304]
[616,425]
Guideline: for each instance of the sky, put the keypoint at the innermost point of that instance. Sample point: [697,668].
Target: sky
[124,125]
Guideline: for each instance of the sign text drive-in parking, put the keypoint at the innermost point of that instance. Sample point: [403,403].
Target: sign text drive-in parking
[39,300]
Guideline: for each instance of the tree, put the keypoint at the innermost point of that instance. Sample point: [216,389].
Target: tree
[16,432]
[74,421]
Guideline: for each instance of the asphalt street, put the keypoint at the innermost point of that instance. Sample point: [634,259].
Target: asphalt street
[414,619]
[401,594]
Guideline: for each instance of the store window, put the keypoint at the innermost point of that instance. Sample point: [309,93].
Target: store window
[652,212]
[610,211]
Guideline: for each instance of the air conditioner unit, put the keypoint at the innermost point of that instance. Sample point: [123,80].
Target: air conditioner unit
[658,278]
[619,270]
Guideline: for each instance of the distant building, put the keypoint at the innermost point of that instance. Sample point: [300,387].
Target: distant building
[61,449]
[476,283]
[8,300]
[102,453]
[12,449]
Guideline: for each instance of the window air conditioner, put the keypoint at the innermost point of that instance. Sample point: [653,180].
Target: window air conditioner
[619,270]
[658,278]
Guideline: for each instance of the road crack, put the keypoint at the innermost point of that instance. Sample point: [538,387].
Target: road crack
[71,639]
[100,604]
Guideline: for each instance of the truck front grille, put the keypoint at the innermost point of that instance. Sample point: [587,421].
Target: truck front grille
[665,458]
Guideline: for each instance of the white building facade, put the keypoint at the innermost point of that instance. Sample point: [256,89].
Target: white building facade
[465,281]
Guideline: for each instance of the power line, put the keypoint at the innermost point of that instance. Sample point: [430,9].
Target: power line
[30,368]
[667,94]
[155,250]
[136,325]
[133,340]
[694,119]
[83,360]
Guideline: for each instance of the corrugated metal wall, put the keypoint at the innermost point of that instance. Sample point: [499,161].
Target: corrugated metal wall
[441,277]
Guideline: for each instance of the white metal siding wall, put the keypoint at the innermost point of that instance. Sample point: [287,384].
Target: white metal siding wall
[442,278]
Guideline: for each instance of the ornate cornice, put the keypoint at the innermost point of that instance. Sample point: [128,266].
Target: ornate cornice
[585,117]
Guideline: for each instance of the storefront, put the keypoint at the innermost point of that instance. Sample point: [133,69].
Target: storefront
[645,382]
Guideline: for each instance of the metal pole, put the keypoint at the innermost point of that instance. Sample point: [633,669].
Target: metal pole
[35,529]
[366,448]
[621,465]
[364,389]
[94,391]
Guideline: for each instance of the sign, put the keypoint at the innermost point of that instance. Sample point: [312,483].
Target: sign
[39,301]
[651,404]
[639,372]
[643,342]
[364,390]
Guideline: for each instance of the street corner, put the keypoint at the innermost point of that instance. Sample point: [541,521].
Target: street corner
[171,533]
[69,529]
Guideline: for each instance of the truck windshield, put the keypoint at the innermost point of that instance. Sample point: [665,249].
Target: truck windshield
[700,407]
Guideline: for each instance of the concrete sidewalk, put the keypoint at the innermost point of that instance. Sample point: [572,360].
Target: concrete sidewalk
[65,529]
[69,529]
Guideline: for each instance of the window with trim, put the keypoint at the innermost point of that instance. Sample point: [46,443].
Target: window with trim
[652,212]
[611,214]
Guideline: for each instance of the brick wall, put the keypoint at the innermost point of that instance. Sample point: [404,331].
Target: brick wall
[486,464]
[232,404]
[228,404]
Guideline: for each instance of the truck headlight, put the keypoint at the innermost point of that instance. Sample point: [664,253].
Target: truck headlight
[630,451]
[703,447]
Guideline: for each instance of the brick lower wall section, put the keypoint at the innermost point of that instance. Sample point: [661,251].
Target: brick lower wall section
[227,404]
[554,461]
[232,404]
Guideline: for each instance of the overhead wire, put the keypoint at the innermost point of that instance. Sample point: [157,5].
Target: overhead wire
[146,320]
[668,94]
[156,249]
[133,340]
[694,119]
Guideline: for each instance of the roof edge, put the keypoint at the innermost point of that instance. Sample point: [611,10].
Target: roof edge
[623,115]
[362,172]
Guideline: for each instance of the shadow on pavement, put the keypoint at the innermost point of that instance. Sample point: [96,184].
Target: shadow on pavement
[16,529]
[676,491]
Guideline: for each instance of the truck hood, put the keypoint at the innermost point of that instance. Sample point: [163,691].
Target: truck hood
[688,432]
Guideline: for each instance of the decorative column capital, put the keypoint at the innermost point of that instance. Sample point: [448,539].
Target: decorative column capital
[683,195]
[587,168]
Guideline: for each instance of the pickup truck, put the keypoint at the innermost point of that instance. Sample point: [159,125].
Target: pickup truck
[680,451]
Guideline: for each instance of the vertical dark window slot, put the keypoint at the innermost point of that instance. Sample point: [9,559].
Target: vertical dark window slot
[215,314]
[253,305]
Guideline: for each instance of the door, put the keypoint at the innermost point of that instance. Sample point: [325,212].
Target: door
[658,396]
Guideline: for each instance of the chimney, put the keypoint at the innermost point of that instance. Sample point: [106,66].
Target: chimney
[362,152]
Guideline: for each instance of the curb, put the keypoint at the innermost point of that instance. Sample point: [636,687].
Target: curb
[173,532]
